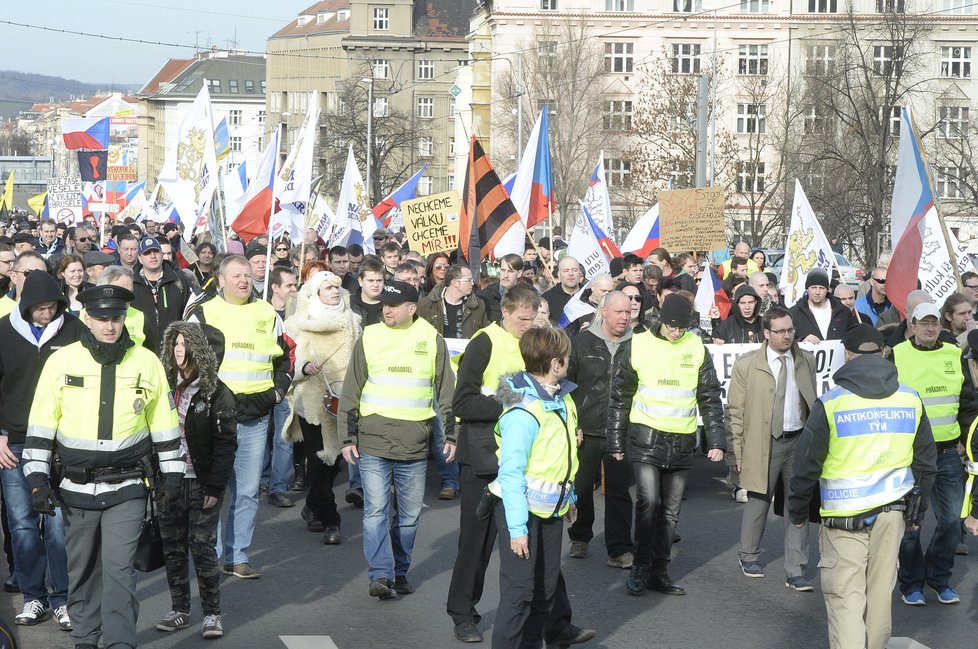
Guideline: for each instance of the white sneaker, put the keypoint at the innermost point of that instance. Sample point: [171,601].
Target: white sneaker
[211,628]
[61,615]
[35,611]
[740,495]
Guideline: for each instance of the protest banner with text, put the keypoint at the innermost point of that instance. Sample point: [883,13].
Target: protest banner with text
[431,222]
[692,219]
[65,200]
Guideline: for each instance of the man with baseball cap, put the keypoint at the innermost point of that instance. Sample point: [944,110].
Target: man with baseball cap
[868,447]
[386,413]
[664,376]
[161,292]
[936,371]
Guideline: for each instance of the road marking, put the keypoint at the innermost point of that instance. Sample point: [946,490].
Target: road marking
[307,642]
[904,643]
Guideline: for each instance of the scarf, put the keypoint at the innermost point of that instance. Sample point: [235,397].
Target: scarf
[107,353]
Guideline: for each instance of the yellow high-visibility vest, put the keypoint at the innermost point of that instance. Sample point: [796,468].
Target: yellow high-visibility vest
[251,334]
[400,371]
[937,377]
[668,375]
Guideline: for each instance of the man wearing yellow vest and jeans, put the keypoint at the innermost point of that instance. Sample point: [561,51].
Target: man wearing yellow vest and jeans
[934,369]
[665,375]
[868,447]
[257,369]
[387,408]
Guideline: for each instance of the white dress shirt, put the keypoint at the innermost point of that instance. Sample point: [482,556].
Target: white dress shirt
[792,397]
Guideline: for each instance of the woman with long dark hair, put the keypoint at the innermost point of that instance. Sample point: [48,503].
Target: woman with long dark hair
[435,270]
[71,274]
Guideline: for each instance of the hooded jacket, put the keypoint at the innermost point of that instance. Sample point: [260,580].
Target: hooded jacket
[666,450]
[22,355]
[736,329]
[806,325]
[211,424]
[592,367]
[871,377]
[432,308]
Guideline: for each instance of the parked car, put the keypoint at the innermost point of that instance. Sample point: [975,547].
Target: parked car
[848,273]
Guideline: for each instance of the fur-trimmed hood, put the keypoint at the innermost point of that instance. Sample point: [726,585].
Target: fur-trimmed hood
[205,345]
[515,388]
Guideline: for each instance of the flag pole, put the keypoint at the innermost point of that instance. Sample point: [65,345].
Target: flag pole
[271,219]
[222,215]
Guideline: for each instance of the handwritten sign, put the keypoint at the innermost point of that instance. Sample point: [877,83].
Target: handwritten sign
[65,200]
[431,222]
[692,219]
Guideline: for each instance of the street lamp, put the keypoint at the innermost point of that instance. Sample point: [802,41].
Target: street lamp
[370,127]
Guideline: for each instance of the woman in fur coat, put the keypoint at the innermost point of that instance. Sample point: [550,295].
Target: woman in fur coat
[324,330]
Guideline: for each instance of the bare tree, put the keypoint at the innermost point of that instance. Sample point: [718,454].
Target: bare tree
[562,68]
[396,136]
[16,142]
[953,154]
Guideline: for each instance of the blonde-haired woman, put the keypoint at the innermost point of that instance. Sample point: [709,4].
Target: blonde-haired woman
[324,330]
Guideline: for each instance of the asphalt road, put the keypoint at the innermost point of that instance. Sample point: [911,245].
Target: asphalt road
[315,596]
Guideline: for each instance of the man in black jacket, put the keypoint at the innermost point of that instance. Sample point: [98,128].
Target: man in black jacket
[595,356]
[820,316]
[510,270]
[161,293]
[665,374]
[30,334]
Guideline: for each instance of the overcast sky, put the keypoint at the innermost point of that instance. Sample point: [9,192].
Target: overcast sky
[96,60]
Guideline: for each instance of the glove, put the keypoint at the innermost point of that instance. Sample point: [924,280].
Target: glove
[43,500]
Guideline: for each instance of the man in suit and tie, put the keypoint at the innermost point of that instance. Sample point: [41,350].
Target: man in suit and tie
[771,393]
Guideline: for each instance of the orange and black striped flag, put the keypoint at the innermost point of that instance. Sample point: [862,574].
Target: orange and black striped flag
[487,212]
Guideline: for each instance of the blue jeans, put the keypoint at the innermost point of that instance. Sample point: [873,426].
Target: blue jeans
[387,546]
[277,460]
[353,471]
[934,567]
[243,490]
[447,470]
[38,540]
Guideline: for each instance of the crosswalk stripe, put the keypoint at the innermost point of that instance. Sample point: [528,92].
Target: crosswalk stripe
[904,643]
[307,642]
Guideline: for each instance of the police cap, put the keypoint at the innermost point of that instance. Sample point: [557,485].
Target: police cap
[106,301]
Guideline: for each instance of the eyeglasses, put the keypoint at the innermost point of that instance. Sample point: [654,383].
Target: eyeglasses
[83,239]
[25,273]
[782,332]
[440,266]
[676,329]
[971,286]
[281,250]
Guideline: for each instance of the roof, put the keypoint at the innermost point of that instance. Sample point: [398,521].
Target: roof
[220,68]
[307,23]
[167,73]
[443,19]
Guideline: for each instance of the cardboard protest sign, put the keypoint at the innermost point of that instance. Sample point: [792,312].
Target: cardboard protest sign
[65,200]
[692,219]
[431,222]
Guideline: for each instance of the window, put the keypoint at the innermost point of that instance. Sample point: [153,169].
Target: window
[744,227]
[958,7]
[684,119]
[214,86]
[820,60]
[382,18]
[235,141]
[948,182]
[685,58]
[817,119]
[551,106]
[546,54]
[752,60]
[424,186]
[381,68]
[426,70]
[426,146]
[619,5]
[953,124]
[234,118]
[276,102]
[751,118]
[755,6]
[750,177]
[451,107]
[451,183]
[451,147]
[617,115]
[887,60]
[823,6]
[618,57]
[687,6]
[814,173]
[261,142]
[682,174]
[261,118]
[956,62]
[426,107]
[893,121]
[618,172]
[381,107]
[890,6]
[548,5]
[233,86]
[252,90]
[250,87]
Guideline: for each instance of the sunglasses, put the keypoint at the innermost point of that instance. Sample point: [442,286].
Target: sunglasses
[82,239]
[281,250]
[440,267]
[635,298]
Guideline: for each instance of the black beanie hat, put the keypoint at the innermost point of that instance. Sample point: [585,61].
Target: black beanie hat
[817,277]
[675,311]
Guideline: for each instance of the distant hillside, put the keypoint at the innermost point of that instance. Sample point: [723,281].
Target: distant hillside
[19,90]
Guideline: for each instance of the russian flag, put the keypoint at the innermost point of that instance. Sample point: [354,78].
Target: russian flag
[913,194]
[710,293]
[256,204]
[86,133]
[643,238]
[384,211]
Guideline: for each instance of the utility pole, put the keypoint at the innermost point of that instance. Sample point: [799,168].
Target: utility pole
[702,133]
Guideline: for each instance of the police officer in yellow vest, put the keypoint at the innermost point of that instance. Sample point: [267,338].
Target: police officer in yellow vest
[664,377]
[257,368]
[399,373]
[934,369]
[868,447]
[534,489]
[103,406]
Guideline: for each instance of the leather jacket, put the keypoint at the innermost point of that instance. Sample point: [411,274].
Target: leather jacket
[592,368]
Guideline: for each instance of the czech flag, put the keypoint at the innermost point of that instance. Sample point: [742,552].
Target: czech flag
[385,211]
[643,238]
[86,133]
[256,204]
[607,245]
[533,190]
[710,293]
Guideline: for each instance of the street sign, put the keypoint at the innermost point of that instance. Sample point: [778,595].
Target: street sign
[455,90]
